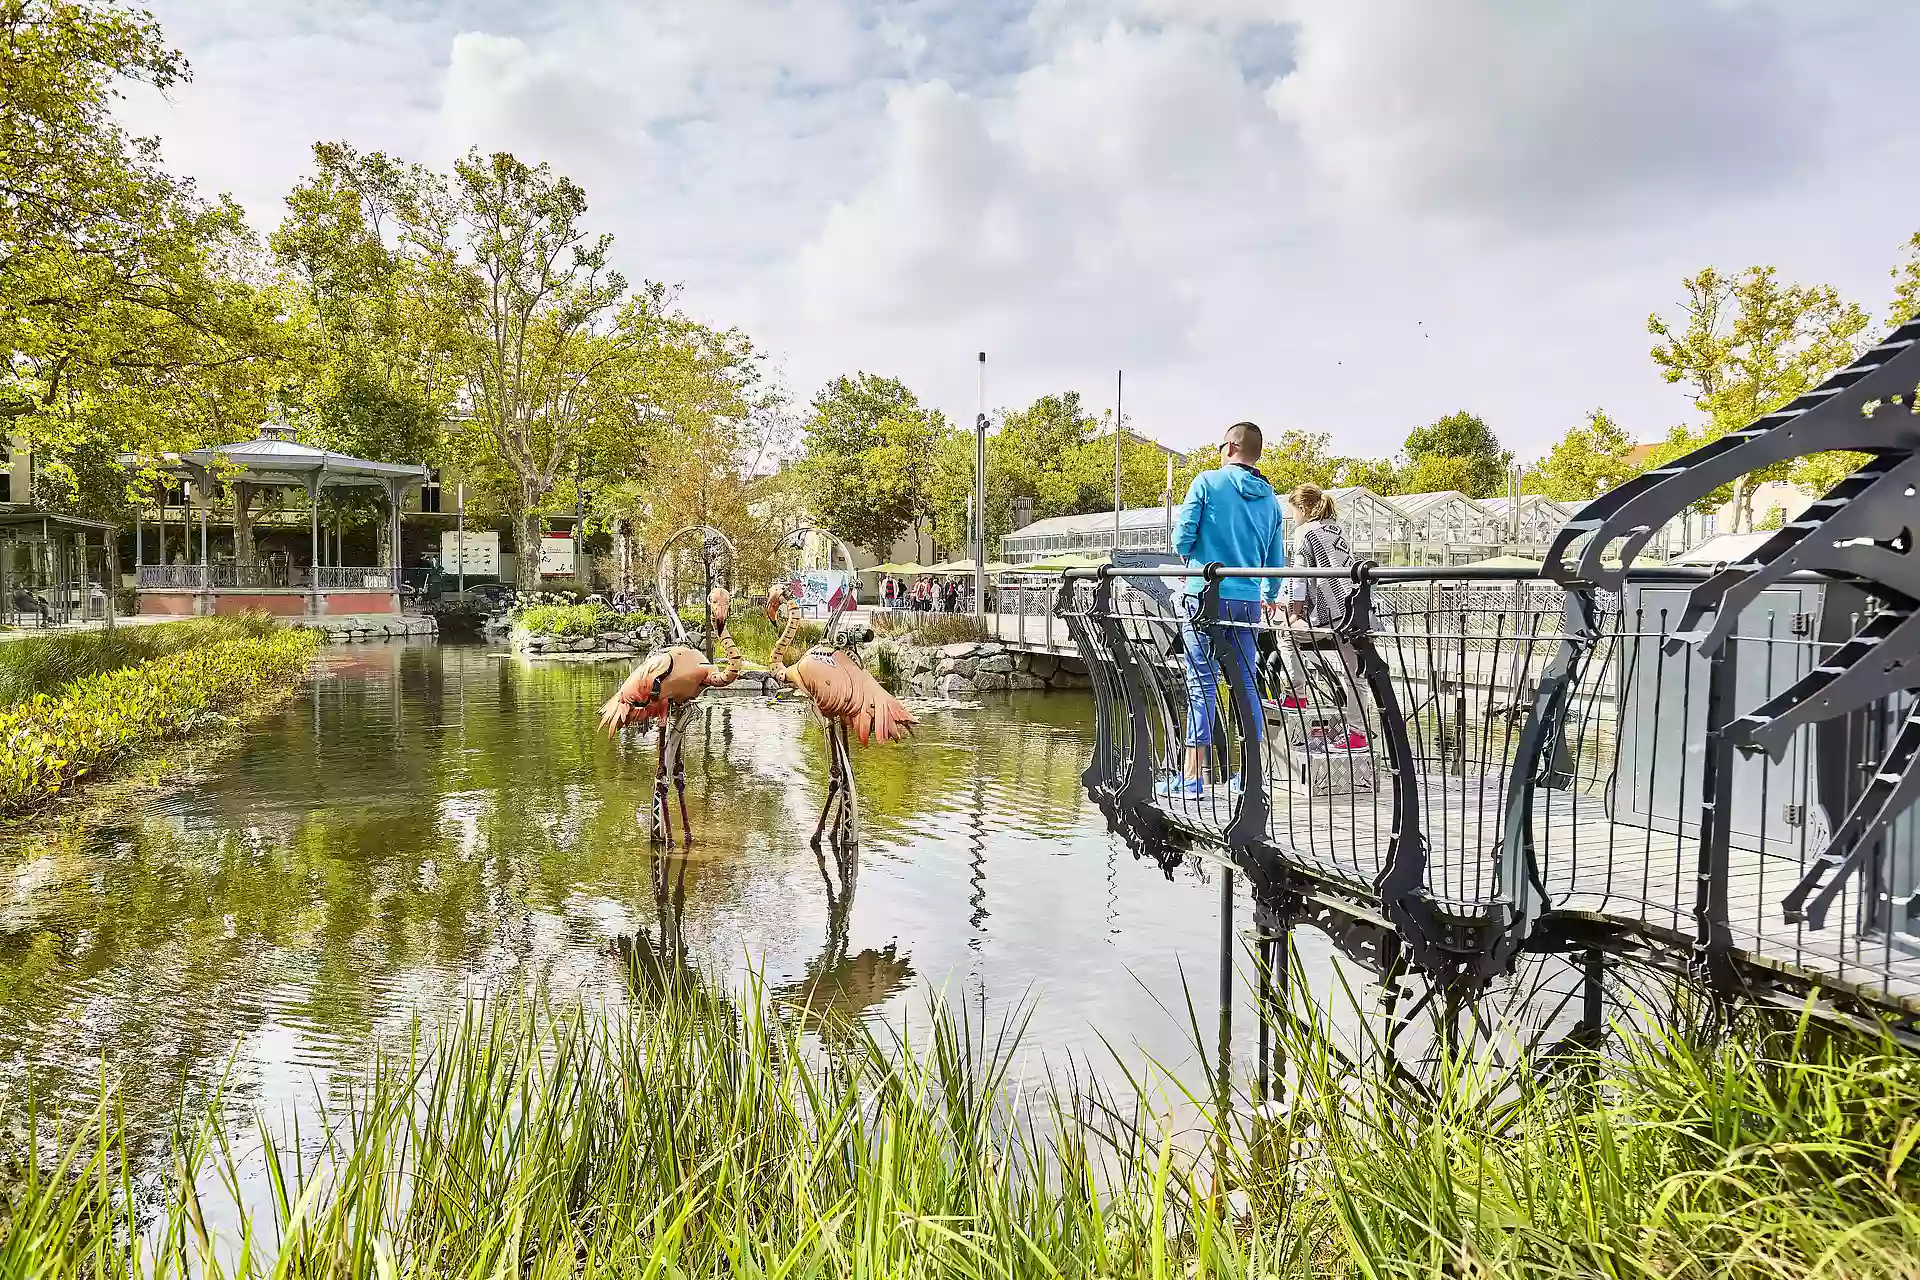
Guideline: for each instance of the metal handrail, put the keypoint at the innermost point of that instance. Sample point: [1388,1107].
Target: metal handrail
[1509,750]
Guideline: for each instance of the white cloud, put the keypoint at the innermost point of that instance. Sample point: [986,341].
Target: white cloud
[1344,214]
[1532,112]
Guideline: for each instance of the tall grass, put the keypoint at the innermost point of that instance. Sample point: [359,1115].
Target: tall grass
[944,628]
[698,1135]
[755,635]
[46,664]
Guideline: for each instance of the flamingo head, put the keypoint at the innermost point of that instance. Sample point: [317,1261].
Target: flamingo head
[776,601]
[717,601]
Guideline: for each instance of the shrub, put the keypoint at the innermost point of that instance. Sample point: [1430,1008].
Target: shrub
[592,618]
[947,628]
[46,664]
[50,742]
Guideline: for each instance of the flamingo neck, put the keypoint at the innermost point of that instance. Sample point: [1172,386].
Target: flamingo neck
[776,663]
[728,674]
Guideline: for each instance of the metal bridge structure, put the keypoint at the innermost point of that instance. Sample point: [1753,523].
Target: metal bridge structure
[1468,775]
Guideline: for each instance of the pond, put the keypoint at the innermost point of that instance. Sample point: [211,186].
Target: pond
[427,823]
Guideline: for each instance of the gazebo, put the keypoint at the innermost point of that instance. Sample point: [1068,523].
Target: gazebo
[54,570]
[276,584]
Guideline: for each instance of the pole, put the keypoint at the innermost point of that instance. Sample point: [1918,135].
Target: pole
[980,500]
[1167,496]
[460,536]
[1119,381]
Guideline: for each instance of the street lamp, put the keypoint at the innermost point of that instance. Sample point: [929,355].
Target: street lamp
[980,500]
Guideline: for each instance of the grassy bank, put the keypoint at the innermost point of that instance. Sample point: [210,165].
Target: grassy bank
[755,635]
[48,663]
[51,742]
[699,1136]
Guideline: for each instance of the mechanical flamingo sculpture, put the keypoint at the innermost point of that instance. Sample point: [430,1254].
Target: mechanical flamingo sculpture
[662,689]
[847,697]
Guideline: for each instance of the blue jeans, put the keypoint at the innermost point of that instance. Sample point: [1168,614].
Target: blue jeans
[1203,676]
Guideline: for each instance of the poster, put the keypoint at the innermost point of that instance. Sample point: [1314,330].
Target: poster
[556,554]
[480,547]
[818,591]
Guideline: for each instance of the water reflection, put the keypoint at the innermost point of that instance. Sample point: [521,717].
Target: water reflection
[427,823]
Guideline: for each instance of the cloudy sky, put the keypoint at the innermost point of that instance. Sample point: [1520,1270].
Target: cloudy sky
[1340,215]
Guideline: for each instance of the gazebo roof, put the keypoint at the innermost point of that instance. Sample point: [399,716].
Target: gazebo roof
[275,457]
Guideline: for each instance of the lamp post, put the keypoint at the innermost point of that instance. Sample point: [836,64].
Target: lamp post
[980,500]
[460,535]
[1119,384]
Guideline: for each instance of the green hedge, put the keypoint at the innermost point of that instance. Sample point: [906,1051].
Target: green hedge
[592,619]
[48,663]
[50,742]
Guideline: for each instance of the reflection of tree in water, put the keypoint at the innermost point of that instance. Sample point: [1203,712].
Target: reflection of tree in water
[838,989]
[443,821]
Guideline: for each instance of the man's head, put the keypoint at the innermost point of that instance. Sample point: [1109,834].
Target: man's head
[1241,443]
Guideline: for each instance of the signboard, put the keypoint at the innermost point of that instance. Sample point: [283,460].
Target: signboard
[480,547]
[816,591]
[556,554]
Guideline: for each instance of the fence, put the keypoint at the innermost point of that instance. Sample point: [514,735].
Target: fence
[1483,756]
[264,577]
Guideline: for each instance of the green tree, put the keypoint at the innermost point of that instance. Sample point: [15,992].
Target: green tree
[1743,345]
[1377,474]
[540,331]
[1906,285]
[1458,451]
[1588,461]
[135,316]
[868,460]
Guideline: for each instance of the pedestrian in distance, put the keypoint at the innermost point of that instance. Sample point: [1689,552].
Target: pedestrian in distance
[1231,517]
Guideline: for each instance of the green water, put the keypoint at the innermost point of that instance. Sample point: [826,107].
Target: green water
[429,823]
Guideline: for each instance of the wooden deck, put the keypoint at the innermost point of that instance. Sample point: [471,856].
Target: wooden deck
[1591,862]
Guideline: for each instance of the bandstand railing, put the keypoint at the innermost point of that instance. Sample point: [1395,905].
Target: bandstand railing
[1478,762]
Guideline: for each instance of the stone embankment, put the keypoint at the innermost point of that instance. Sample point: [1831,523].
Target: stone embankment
[351,628]
[607,645]
[986,666]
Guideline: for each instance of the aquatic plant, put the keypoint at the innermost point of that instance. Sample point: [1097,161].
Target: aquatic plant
[591,619]
[703,1135]
[755,635]
[47,663]
[50,742]
[946,628]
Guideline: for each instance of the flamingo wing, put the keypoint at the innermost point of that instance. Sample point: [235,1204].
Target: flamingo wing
[881,717]
[634,702]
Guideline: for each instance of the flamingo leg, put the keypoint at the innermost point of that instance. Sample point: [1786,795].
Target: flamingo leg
[848,826]
[680,779]
[833,787]
[661,831]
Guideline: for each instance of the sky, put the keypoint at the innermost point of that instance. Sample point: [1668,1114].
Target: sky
[1349,216]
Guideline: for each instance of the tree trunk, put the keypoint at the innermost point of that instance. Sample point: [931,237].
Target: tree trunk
[1739,504]
[526,565]
[243,548]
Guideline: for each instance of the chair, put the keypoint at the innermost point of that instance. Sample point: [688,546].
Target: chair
[25,602]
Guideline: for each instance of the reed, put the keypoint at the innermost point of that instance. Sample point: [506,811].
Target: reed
[48,663]
[702,1135]
[755,635]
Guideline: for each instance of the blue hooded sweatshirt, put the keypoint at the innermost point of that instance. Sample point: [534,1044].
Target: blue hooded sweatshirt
[1230,515]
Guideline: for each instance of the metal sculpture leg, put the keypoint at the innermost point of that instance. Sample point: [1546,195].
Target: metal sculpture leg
[847,828]
[660,829]
[830,808]
[678,760]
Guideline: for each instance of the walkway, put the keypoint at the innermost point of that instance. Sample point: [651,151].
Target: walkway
[1491,765]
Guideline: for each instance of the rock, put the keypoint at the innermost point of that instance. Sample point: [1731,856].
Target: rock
[964,649]
[1025,681]
[991,680]
[996,663]
[611,639]
[1069,680]
[957,686]
[1073,666]
[1043,665]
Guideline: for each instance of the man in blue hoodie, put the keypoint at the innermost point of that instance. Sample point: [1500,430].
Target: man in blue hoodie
[1230,516]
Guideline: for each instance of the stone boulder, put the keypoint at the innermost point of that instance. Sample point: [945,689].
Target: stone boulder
[998,663]
[991,681]
[957,686]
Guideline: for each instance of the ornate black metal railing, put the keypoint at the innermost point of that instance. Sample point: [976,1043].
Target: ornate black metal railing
[1474,764]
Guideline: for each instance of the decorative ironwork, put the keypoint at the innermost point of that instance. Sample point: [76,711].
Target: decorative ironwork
[1475,759]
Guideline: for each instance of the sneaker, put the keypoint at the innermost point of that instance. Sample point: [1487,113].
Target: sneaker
[1175,785]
